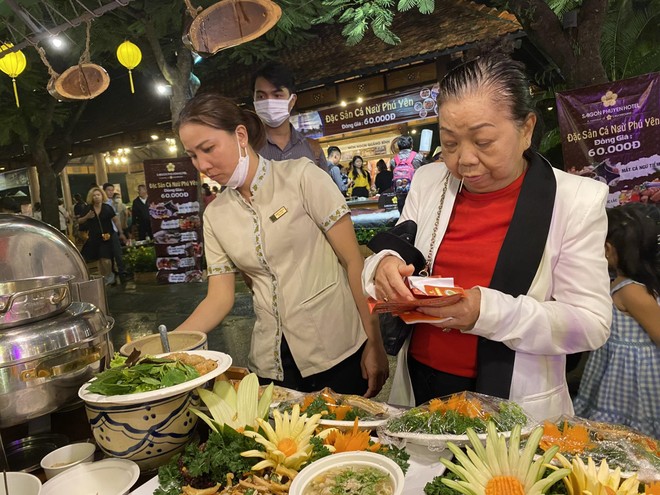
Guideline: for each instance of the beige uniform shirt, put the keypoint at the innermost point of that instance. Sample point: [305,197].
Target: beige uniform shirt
[300,290]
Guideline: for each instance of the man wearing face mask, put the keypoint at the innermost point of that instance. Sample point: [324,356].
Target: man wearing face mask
[274,95]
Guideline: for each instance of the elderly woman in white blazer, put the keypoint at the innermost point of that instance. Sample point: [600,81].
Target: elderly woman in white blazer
[546,294]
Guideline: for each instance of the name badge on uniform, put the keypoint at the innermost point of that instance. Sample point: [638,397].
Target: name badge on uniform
[278,214]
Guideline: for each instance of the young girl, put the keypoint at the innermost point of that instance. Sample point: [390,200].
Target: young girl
[621,382]
[359,177]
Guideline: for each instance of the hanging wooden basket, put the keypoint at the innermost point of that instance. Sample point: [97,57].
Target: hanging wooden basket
[80,82]
[230,23]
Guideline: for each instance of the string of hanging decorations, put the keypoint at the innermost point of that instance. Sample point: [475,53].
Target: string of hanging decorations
[222,25]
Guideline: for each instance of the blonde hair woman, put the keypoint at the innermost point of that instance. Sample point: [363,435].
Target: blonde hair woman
[97,221]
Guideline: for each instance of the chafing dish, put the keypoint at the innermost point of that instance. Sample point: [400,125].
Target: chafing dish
[43,364]
[33,299]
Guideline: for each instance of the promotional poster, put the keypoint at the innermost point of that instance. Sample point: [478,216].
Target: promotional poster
[176,221]
[611,133]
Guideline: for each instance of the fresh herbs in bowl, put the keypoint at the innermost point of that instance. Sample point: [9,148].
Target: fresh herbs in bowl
[133,375]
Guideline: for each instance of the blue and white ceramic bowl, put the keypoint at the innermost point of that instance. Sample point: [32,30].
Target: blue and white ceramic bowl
[148,427]
[147,434]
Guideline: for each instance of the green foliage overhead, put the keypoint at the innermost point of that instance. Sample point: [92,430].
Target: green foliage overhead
[357,16]
[18,124]
[561,7]
[630,43]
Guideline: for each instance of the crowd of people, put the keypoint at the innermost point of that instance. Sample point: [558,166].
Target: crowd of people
[355,180]
[100,225]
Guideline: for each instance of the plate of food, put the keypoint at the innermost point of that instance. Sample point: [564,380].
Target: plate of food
[153,377]
[340,411]
[194,276]
[428,104]
[167,237]
[190,223]
[167,263]
[622,447]
[447,419]
[159,211]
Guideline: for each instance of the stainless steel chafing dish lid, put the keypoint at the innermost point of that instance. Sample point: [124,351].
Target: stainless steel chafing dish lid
[31,248]
[79,323]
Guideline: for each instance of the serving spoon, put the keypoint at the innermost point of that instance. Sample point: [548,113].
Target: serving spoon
[162,330]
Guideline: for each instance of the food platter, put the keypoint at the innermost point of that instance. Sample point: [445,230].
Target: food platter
[223,360]
[424,466]
[624,448]
[366,424]
[443,420]
[370,414]
[439,442]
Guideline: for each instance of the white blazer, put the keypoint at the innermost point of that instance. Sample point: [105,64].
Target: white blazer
[566,310]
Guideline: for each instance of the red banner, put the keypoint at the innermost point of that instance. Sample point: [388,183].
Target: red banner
[176,219]
[611,133]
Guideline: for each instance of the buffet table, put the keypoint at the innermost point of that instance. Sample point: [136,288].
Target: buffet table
[424,466]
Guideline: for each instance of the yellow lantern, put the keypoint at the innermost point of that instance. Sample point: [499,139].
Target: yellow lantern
[12,64]
[129,55]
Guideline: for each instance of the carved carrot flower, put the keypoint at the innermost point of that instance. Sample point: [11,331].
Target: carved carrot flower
[350,441]
[498,470]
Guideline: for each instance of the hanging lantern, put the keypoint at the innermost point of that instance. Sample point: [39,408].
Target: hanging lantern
[12,64]
[129,55]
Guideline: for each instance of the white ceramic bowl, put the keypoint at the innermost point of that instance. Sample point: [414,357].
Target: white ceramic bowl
[106,477]
[179,341]
[66,457]
[20,483]
[348,459]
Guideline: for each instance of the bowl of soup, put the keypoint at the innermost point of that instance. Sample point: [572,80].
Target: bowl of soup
[350,473]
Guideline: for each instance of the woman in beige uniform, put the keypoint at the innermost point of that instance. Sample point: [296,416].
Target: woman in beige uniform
[286,226]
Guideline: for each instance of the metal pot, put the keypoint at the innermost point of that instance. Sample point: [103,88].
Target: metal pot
[33,299]
[43,364]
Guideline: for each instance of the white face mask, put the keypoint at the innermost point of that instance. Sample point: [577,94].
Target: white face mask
[237,179]
[273,112]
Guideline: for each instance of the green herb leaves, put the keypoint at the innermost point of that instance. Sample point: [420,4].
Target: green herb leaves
[207,464]
[146,375]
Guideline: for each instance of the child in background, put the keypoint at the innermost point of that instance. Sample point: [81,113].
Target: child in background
[621,382]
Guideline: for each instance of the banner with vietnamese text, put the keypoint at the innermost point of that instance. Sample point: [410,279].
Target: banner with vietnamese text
[175,219]
[611,133]
[412,104]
